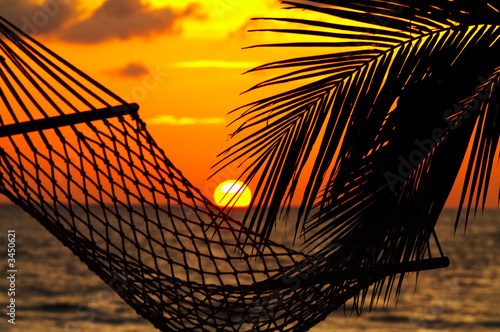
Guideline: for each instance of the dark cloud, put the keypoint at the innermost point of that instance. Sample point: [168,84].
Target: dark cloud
[123,19]
[35,18]
[133,69]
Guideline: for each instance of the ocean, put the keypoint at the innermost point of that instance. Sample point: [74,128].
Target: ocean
[56,293]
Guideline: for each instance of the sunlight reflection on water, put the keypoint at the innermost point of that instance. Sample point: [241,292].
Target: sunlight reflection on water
[57,293]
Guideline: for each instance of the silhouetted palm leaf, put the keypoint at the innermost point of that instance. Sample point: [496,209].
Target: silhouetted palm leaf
[391,118]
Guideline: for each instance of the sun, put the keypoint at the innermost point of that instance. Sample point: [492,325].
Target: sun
[232,193]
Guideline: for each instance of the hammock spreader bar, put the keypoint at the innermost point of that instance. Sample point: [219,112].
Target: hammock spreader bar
[67,120]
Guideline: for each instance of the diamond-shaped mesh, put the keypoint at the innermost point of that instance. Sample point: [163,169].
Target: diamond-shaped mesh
[80,160]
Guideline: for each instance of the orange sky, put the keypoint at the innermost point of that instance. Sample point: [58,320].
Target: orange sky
[181,63]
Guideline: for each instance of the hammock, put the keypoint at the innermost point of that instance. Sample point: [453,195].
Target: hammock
[79,160]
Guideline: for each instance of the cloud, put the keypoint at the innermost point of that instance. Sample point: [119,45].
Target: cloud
[133,70]
[215,64]
[38,18]
[123,19]
[184,121]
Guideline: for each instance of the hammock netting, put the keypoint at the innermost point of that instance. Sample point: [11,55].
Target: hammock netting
[79,160]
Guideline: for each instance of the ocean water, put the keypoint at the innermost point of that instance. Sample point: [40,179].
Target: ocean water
[56,293]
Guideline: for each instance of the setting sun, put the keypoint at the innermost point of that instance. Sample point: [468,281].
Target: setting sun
[232,193]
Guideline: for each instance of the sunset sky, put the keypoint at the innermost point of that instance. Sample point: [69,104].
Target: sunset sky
[180,61]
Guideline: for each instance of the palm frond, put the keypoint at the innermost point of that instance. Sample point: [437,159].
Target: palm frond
[394,50]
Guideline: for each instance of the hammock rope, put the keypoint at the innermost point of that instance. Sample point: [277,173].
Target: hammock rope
[79,159]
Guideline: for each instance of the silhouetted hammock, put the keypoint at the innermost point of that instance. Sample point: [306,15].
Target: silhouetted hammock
[79,159]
